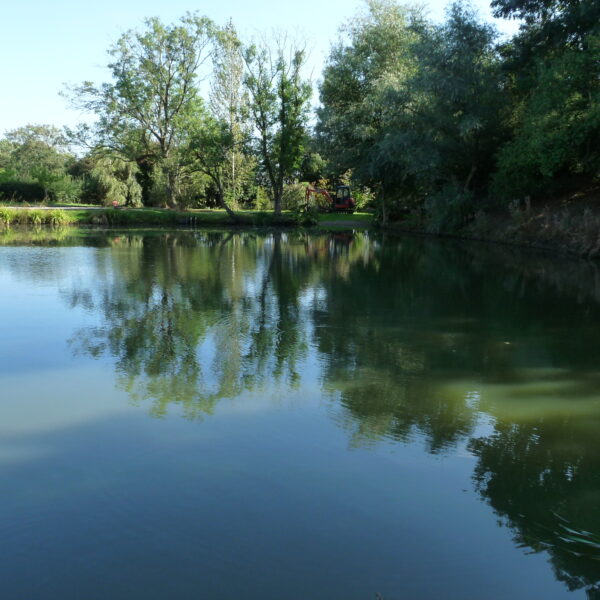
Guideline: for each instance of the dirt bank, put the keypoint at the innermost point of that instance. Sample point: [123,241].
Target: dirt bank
[568,225]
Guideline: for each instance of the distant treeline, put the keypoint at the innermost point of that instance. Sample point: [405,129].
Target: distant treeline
[444,120]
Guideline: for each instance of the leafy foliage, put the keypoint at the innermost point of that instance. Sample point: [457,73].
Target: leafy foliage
[152,93]
[556,122]
[34,165]
[428,121]
[20,190]
[116,181]
[229,104]
[278,106]
[439,118]
[424,117]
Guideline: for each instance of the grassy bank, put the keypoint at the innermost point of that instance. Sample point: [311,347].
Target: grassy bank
[140,217]
[135,217]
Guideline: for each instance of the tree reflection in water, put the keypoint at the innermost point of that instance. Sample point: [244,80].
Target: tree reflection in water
[413,339]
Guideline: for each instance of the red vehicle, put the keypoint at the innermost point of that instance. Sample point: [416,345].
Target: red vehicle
[341,201]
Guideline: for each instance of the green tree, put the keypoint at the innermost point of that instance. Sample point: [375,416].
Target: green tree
[414,108]
[140,113]
[40,154]
[278,102]
[553,65]
[211,145]
[373,56]
[116,181]
[313,167]
[548,24]
[39,146]
[229,104]
[556,126]
[451,121]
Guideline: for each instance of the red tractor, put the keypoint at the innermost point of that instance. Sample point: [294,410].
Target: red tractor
[342,201]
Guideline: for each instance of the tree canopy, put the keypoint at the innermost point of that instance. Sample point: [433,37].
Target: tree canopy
[442,120]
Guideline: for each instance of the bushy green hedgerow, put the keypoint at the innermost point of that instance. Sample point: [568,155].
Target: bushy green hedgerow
[22,191]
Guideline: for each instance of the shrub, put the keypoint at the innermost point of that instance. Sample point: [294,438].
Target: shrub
[112,181]
[32,217]
[263,202]
[364,197]
[449,209]
[308,217]
[66,189]
[21,217]
[22,191]
[59,218]
[7,216]
[294,196]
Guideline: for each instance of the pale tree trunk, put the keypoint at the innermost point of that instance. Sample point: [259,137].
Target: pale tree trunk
[470,178]
[223,204]
[221,198]
[233,183]
[383,208]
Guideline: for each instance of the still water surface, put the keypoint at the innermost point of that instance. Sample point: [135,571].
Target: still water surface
[285,416]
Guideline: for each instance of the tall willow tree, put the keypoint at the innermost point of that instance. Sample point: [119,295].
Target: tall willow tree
[141,112]
[373,57]
[453,120]
[278,103]
[413,107]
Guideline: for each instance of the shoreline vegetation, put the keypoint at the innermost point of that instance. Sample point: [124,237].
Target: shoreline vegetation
[559,228]
[139,217]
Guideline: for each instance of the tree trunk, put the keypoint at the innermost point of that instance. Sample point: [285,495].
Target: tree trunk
[278,194]
[233,182]
[470,178]
[222,202]
[171,189]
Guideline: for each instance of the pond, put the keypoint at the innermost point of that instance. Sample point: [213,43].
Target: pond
[204,414]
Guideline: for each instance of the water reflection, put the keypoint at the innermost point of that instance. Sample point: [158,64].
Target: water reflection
[457,346]
[193,318]
[543,479]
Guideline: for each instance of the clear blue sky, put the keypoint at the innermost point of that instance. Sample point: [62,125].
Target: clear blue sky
[45,44]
